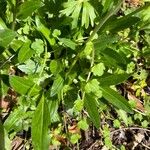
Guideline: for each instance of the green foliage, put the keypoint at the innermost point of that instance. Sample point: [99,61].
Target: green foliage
[14,120]
[73,8]
[27,8]
[40,123]
[57,85]
[6,36]
[23,85]
[107,139]
[68,43]
[91,106]
[75,138]
[25,52]
[82,124]
[64,60]
[113,79]
[116,99]
[98,69]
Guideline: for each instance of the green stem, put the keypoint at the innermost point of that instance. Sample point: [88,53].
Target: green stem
[92,64]
[14,15]
[89,74]
[101,23]
[45,59]
[97,28]
[41,72]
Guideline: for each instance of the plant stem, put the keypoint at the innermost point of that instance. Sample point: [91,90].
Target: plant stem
[40,74]
[45,59]
[89,74]
[129,128]
[101,23]
[97,28]
[14,15]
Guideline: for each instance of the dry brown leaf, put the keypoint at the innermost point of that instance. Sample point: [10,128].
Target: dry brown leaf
[4,104]
[73,129]
[139,105]
[61,139]
[16,143]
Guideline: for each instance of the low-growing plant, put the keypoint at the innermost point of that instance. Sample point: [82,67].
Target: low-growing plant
[61,60]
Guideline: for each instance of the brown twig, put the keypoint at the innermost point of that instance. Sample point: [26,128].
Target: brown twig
[131,128]
[145,146]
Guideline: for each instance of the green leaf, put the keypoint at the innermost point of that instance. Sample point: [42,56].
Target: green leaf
[55,66]
[6,36]
[22,85]
[28,7]
[123,116]
[2,24]
[5,143]
[82,124]
[40,123]
[121,23]
[107,137]
[13,118]
[74,8]
[2,141]
[85,16]
[88,14]
[53,107]
[104,41]
[91,106]
[68,43]
[98,69]
[30,67]
[75,138]
[75,15]
[113,79]
[16,44]
[38,46]
[44,30]
[87,50]
[116,123]
[69,7]
[4,85]
[93,87]
[114,56]
[57,85]
[78,105]
[107,5]
[145,123]
[25,52]
[116,99]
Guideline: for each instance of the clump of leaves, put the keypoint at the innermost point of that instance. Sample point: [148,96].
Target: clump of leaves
[65,64]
